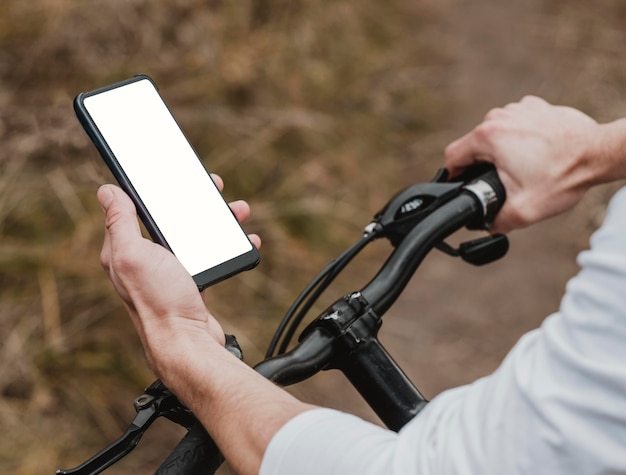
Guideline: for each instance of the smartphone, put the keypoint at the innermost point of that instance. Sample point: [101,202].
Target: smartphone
[152,160]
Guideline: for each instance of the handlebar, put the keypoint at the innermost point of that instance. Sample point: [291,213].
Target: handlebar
[383,290]
[305,360]
[196,453]
[474,204]
[345,335]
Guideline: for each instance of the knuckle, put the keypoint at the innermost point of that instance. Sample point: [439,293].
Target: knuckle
[113,217]
[530,99]
[486,130]
[124,263]
[494,114]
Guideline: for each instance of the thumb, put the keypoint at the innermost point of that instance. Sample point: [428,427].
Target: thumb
[120,214]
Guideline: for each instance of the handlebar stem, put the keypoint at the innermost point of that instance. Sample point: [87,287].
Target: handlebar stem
[375,375]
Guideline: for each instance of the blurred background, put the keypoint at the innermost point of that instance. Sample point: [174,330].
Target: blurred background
[316,113]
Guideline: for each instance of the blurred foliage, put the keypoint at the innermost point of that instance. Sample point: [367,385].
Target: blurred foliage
[305,108]
[314,112]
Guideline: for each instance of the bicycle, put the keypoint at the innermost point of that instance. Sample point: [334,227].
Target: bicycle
[344,336]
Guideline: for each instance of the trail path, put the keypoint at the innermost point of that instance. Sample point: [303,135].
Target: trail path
[455,322]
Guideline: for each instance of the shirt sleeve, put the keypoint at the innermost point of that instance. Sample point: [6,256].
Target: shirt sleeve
[556,405]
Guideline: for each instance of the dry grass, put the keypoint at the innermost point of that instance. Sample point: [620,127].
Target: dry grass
[315,112]
[304,108]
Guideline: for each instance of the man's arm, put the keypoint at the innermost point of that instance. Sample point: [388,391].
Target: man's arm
[547,157]
[184,343]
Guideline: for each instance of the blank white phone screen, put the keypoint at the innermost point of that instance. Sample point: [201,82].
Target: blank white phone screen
[167,175]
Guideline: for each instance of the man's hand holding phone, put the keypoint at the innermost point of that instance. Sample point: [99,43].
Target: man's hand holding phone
[161,297]
[164,182]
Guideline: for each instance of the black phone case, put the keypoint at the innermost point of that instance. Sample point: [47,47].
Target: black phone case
[204,279]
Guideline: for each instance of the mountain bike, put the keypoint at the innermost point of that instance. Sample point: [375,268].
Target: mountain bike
[416,220]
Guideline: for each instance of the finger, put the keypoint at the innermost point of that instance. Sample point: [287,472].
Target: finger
[504,221]
[534,100]
[121,225]
[497,113]
[105,253]
[241,209]
[467,151]
[255,239]
[218,181]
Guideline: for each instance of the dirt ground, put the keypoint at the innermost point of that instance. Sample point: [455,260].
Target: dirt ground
[325,140]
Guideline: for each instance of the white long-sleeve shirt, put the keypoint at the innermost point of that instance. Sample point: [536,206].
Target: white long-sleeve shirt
[556,405]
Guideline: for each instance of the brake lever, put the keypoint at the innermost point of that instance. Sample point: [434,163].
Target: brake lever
[157,401]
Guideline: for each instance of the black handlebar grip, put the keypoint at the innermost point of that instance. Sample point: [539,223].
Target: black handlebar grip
[491,177]
[483,182]
[195,454]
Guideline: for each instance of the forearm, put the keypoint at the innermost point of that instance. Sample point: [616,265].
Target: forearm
[555,406]
[606,156]
[240,409]
[184,343]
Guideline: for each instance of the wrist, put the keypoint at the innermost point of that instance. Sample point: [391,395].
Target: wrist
[178,352]
[606,154]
